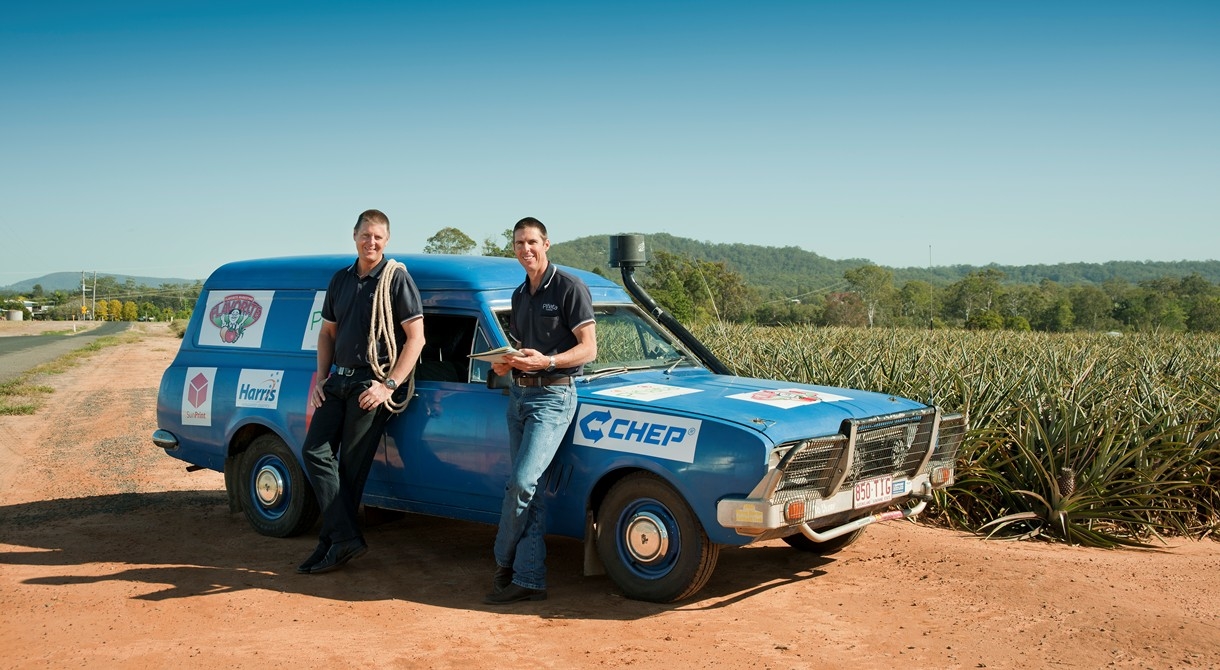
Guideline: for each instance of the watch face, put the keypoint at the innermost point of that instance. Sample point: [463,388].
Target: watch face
[391,384]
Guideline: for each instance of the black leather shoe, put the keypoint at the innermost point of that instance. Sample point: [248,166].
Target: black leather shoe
[501,580]
[339,554]
[315,558]
[514,593]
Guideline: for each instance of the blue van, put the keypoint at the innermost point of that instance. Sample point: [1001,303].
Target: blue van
[669,457]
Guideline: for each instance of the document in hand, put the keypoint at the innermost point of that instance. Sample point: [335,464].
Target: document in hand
[494,355]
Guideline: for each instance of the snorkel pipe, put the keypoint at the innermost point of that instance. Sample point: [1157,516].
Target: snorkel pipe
[627,253]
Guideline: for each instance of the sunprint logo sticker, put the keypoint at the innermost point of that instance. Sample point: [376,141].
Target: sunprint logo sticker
[197,396]
[313,323]
[235,319]
[259,388]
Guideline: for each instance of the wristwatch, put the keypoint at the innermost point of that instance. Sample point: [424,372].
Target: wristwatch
[551,367]
[391,384]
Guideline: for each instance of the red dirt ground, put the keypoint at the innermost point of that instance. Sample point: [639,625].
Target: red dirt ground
[112,555]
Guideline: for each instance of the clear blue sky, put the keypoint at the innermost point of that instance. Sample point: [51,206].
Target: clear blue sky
[165,138]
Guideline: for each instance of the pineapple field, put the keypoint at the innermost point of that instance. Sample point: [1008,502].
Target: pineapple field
[1092,439]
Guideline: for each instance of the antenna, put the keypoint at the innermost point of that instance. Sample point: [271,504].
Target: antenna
[932,368]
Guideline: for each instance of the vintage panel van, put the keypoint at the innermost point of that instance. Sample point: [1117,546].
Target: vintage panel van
[670,455]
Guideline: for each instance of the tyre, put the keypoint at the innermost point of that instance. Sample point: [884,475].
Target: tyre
[275,495]
[651,543]
[799,541]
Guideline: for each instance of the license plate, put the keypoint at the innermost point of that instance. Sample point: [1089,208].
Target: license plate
[874,491]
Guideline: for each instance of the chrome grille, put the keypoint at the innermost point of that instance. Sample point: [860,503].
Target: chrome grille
[892,445]
[897,444]
[949,438]
[810,467]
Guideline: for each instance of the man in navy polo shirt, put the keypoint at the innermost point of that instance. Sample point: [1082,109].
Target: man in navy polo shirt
[552,324]
[350,401]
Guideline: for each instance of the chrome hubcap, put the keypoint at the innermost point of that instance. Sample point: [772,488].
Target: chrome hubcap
[269,486]
[647,539]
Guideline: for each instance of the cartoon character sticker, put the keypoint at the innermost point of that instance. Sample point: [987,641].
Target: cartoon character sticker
[237,318]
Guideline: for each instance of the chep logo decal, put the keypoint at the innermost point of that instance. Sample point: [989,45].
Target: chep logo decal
[657,435]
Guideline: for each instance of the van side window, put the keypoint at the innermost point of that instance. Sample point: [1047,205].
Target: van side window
[446,354]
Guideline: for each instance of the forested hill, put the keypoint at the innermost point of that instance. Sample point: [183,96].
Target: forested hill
[792,270]
[71,282]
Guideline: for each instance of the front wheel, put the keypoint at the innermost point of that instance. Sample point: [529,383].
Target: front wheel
[652,544]
[274,492]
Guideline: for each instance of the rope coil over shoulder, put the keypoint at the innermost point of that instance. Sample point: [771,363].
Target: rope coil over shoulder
[381,331]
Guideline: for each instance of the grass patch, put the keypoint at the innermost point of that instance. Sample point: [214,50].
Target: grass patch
[23,397]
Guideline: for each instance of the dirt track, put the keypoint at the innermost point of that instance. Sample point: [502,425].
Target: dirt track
[111,555]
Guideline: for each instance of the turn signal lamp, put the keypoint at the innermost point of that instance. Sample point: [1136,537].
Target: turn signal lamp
[795,511]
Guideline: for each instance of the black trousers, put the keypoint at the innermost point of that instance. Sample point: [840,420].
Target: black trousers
[338,452]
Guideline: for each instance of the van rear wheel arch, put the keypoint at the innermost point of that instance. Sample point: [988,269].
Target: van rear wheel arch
[271,485]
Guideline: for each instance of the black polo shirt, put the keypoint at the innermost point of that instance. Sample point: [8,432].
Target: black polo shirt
[545,320]
[349,303]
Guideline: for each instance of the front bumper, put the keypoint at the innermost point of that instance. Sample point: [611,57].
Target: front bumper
[831,482]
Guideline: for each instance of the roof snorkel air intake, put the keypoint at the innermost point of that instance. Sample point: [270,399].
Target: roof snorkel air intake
[627,253]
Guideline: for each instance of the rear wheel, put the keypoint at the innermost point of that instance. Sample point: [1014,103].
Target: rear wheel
[652,544]
[275,494]
[834,545]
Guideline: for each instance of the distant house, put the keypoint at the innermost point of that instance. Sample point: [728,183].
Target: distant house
[37,310]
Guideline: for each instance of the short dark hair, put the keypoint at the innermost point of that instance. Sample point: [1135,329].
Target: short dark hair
[372,217]
[530,222]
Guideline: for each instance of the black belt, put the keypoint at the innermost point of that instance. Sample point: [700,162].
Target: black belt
[542,381]
[348,372]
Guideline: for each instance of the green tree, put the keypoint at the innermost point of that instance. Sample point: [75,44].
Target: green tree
[874,285]
[845,308]
[502,247]
[917,303]
[449,241]
[1059,317]
[1092,307]
[713,291]
[985,319]
[977,291]
[1204,315]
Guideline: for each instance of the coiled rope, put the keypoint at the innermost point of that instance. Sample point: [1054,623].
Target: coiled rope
[381,331]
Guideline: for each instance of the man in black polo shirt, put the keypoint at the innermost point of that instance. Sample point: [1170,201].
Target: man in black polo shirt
[350,401]
[552,323]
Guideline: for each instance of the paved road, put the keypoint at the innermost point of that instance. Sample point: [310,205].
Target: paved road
[22,352]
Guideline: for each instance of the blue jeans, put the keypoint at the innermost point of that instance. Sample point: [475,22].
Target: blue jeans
[538,418]
[338,453]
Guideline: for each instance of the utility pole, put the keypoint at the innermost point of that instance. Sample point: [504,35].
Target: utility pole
[83,287]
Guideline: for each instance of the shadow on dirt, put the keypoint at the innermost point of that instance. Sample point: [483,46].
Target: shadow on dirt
[186,544]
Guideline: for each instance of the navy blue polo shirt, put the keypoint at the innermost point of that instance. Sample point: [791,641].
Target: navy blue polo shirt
[349,303]
[545,320]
